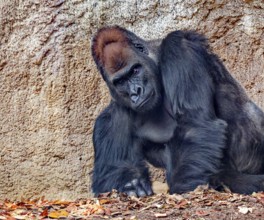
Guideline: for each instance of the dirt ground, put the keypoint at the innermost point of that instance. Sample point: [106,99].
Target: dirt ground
[203,203]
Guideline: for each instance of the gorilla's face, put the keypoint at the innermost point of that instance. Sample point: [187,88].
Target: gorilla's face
[136,86]
[131,75]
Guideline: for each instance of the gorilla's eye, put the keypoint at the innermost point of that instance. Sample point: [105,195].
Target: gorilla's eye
[140,48]
[135,70]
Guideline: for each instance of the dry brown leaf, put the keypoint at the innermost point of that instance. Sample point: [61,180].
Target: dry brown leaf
[71,207]
[19,217]
[10,206]
[259,196]
[58,214]
[10,218]
[182,204]
[116,213]
[107,211]
[104,201]
[202,213]
[98,211]
[59,202]
[176,197]
[200,189]
[208,203]
[44,213]
[19,214]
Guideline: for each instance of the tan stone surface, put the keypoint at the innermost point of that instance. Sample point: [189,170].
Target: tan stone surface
[51,93]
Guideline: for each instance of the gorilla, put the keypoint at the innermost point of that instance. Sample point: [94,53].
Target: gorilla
[176,106]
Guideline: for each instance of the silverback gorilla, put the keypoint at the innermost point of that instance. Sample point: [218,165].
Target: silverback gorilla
[176,106]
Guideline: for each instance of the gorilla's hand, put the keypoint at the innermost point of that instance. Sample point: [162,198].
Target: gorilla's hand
[138,187]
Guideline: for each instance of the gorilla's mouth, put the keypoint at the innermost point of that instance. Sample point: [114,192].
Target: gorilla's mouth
[146,100]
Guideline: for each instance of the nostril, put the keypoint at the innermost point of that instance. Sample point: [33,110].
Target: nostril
[139,90]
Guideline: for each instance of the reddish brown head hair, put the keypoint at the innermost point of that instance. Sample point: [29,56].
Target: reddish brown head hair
[110,49]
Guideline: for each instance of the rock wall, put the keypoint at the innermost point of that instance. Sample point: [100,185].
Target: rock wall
[51,92]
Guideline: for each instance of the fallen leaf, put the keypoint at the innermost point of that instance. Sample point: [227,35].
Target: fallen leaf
[176,197]
[10,218]
[11,206]
[19,214]
[202,213]
[44,213]
[58,214]
[71,208]
[200,189]
[59,202]
[107,211]
[97,209]
[19,217]
[104,201]
[182,204]
[244,210]
[107,194]
[208,203]
[160,215]
[116,213]
[118,218]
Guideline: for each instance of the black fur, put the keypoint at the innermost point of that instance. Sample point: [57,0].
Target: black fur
[199,125]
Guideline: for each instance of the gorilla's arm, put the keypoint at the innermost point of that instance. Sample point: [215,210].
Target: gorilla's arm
[196,151]
[185,72]
[118,161]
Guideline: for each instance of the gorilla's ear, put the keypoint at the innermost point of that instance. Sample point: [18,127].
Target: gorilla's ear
[104,37]
[186,74]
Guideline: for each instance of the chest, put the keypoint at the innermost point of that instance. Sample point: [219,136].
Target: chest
[158,127]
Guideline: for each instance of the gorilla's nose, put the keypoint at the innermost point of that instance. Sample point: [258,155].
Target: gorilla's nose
[136,91]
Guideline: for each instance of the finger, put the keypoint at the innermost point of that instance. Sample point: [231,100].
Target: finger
[135,182]
[128,185]
[130,188]
[147,187]
[140,191]
[131,193]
